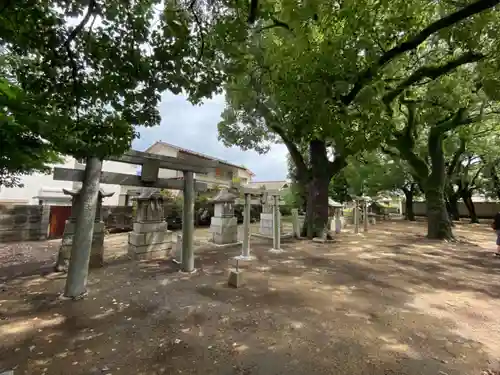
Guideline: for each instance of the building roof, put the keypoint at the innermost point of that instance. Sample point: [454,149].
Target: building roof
[271,185]
[200,155]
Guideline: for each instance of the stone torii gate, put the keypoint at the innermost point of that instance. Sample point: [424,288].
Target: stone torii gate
[93,176]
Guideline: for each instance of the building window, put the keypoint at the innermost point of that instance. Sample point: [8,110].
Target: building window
[244,180]
[230,175]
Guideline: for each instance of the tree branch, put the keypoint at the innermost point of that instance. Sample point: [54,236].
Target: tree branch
[431,72]
[473,181]
[456,158]
[276,23]
[67,46]
[293,150]
[337,164]
[389,152]
[200,28]
[81,25]
[367,75]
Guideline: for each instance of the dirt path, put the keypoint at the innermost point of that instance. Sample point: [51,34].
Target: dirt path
[388,302]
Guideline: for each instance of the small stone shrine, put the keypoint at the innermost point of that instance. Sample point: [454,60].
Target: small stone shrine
[97,250]
[150,238]
[224,225]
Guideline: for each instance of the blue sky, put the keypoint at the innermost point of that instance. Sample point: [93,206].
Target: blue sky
[195,128]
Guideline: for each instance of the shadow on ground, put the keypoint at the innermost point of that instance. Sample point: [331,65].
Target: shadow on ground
[388,302]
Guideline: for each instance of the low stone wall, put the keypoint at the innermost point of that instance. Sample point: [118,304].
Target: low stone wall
[23,222]
[484,210]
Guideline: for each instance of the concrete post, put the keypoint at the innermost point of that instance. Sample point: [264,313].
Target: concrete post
[356,217]
[295,223]
[76,282]
[276,225]
[365,211]
[245,250]
[178,250]
[188,223]
[338,222]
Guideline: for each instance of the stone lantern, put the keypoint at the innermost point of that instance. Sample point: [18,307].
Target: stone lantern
[224,225]
[97,251]
[150,238]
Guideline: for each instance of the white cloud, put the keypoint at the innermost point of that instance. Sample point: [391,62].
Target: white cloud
[195,128]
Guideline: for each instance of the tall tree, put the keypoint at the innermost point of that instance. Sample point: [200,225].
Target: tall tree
[315,73]
[432,113]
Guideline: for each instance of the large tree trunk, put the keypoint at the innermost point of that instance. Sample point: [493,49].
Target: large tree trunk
[453,206]
[317,205]
[438,221]
[496,181]
[409,212]
[467,198]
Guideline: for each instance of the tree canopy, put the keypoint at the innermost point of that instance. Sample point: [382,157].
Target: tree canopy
[78,76]
[331,75]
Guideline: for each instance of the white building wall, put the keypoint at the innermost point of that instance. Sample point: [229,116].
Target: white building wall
[33,183]
[36,183]
[162,149]
[244,176]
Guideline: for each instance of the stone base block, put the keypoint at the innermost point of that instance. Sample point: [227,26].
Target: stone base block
[142,239]
[151,255]
[235,279]
[96,260]
[158,250]
[96,251]
[225,238]
[70,226]
[150,227]
[224,230]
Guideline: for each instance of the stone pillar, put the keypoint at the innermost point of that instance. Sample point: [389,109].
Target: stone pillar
[356,217]
[338,221]
[276,225]
[295,223]
[365,215]
[178,250]
[45,222]
[188,223]
[97,247]
[150,238]
[224,225]
[245,250]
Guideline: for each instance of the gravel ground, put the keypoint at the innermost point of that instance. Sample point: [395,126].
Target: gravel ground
[385,302]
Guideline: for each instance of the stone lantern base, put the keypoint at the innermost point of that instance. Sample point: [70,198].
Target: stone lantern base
[96,252]
[224,230]
[149,241]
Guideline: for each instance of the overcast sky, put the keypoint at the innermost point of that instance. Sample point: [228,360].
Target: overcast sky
[195,128]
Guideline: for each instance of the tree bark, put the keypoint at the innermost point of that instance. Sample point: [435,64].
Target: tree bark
[321,175]
[467,198]
[453,207]
[438,221]
[496,181]
[409,212]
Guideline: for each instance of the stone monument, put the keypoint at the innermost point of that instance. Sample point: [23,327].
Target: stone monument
[150,238]
[224,225]
[266,216]
[97,248]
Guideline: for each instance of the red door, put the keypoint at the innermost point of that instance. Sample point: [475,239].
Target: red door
[58,217]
